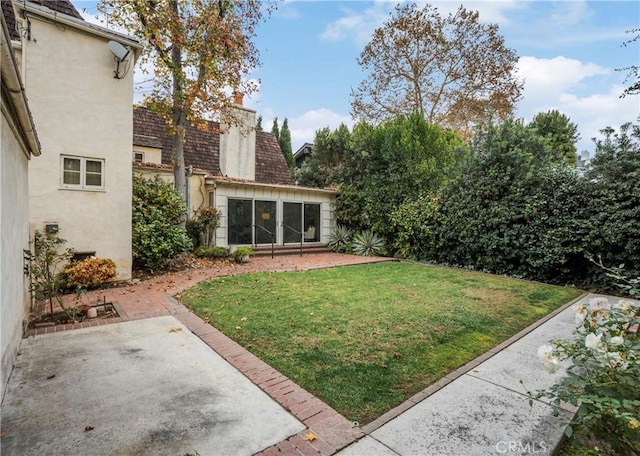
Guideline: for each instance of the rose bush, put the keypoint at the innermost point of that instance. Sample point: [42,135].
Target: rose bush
[603,380]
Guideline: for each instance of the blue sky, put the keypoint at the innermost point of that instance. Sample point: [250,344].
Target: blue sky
[568,51]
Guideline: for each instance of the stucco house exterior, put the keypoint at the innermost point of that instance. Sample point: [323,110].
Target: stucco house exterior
[82,186]
[243,173]
[18,144]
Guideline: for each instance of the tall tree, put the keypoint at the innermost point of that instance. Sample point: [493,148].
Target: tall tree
[633,71]
[561,133]
[275,130]
[285,144]
[454,71]
[259,123]
[199,51]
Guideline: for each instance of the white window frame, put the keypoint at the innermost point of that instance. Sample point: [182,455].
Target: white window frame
[83,174]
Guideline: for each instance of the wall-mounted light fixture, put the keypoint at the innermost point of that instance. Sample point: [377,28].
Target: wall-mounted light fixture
[122,55]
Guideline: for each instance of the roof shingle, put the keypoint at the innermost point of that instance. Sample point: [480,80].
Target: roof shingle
[59,6]
[202,147]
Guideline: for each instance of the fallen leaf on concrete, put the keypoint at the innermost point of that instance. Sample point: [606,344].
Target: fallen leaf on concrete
[88,428]
[51,376]
[310,437]
[175,329]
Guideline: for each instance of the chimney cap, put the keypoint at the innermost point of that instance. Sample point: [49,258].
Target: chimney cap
[237,97]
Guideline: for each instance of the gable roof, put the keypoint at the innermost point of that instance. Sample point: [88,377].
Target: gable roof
[58,6]
[202,147]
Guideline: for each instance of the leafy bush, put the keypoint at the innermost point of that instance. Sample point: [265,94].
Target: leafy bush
[157,233]
[413,223]
[210,251]
[367,243]
[604,377]
[89,273]
[202,228]
[514,211]
[340,238]
[614,199]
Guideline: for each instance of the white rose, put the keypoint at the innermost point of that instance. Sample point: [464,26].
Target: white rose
[617,340]
[592,341]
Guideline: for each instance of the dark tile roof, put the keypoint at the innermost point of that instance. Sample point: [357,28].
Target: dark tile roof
[202,147]
[10,19]
[271,167]
[60,6]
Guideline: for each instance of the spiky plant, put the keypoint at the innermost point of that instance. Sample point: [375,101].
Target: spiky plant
[340,238]
[367,243]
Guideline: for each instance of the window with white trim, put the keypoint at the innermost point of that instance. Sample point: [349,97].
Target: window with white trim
[82,173]
[138,157]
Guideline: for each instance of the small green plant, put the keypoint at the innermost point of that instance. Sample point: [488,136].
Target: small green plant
[604,377]
[202,228]
[44,265]
[340,238]
[210,251]
[89,273]
[241,253]
[367,243]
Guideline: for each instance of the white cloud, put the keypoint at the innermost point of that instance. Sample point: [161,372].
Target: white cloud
[358,25]
[557,83]
[570,13]
[549,77]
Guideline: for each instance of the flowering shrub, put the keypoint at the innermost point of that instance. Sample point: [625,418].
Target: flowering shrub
[90,272]
[604,378]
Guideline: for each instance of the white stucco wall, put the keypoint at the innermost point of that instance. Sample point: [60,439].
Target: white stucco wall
[151,154]
[238,146]
[81,110]
[14,237]
[224,191]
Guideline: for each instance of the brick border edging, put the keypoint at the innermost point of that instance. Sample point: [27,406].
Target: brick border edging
[331,431]
[451,376]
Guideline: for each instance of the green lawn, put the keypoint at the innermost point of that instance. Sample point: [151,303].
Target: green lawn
[365,338]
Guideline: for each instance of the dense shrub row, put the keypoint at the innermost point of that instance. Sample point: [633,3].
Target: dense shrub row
[511,203]
[512,212]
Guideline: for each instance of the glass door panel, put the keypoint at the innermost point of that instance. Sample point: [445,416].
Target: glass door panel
[311,223]
[265,217]
[240,221]
[291,222]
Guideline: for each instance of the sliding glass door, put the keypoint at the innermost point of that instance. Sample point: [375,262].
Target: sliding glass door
[292,222]
[265,222]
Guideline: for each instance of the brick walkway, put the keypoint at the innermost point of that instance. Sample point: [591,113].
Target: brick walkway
[327,431]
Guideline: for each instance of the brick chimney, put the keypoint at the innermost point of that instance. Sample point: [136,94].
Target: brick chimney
[238,143]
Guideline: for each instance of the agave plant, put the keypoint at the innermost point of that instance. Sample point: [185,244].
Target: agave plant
[340,238]
[367,243]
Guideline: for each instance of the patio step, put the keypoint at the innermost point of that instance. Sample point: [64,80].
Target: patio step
[265,250]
